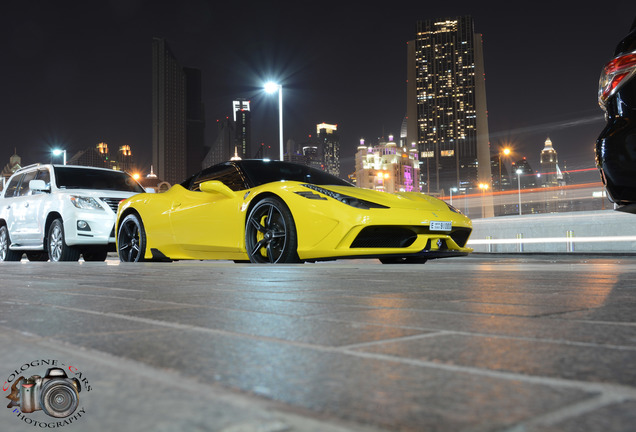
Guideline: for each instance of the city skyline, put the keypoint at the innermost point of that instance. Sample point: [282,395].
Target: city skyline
[78,91]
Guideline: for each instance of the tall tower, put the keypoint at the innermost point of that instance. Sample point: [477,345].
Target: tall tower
[177,116]
[549,169]
[242,120]
[330,143]
[446,105]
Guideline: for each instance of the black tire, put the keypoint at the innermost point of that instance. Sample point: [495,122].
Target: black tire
[56,244]
[131,239]
[95,254]
[7,254]
[404,260]
[37,256]
[270,233]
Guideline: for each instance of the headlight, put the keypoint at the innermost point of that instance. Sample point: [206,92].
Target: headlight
[453,209]
[86,203]
[345,199]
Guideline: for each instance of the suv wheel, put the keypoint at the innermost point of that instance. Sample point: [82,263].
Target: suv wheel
[57,247]
[7,254]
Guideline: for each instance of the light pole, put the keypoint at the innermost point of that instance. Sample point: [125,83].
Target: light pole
[506,152]
[484,188]
[453,189]
[58,152]
[519,188]
[271,87]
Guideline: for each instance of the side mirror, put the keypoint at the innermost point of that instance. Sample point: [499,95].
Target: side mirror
[39,186]
[215,186]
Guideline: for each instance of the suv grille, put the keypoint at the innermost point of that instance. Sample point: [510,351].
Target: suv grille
[113,203]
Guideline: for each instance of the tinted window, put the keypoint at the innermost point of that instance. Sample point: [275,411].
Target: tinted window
[261,172]
[13,186]
[86,178]
[226,174]
[24,186]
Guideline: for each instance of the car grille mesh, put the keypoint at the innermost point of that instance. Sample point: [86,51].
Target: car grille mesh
[113,203]
[402,237]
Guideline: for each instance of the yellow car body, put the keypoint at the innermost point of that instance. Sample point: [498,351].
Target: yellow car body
[212,222]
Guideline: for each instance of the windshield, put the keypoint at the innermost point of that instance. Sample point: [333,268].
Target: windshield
[260,172]
[86,178]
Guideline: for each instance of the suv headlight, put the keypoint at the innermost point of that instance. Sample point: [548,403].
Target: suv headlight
[86,203]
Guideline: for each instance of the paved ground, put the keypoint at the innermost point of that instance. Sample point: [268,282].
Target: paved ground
[481,343]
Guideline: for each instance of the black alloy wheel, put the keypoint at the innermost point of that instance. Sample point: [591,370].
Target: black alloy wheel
[7,254]
[57,248]
[131,239]
[270,233]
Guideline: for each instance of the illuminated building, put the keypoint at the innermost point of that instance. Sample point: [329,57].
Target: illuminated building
[387,167]
[329,141]
[446,105]
[100,156]
[177,116]
[550,172]
[242,120]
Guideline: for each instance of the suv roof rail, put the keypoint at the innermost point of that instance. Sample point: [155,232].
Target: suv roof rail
[28,166]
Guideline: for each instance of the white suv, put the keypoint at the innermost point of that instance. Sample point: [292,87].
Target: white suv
[57,212]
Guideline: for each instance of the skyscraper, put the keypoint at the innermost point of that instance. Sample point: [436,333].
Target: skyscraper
[177,115]
[242,119]
[330,143]
[550,172]
[446,105]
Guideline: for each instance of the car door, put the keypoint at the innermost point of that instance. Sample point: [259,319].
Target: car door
[210,221]
[25,212]
[10,204]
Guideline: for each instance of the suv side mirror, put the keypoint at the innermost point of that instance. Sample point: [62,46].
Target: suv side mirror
[39,186]
[215,186]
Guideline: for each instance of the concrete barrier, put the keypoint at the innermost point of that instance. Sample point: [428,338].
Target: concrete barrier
[588,232]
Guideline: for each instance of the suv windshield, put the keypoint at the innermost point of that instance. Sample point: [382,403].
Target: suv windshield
[86,178]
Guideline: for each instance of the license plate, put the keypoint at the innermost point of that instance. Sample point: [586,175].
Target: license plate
[440,226]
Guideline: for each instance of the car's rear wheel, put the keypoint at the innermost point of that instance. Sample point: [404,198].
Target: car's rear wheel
[131,239]
[270,233]
[56,244]
[403,260]
[7,254]
[37,256]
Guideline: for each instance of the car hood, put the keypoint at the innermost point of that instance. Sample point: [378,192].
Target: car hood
[410,200]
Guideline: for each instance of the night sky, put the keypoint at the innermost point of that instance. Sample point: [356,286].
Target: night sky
[78,73]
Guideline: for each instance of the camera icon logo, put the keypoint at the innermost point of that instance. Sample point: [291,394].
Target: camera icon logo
[55,393]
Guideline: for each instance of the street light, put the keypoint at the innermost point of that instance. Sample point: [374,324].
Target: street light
[519,172]
[58,152]
[506,152]
[271,87]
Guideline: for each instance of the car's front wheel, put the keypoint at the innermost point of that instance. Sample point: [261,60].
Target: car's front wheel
[270,233]
[7,254]
[131,239]
[56,244]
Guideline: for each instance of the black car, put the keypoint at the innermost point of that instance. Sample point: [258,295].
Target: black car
[616,146]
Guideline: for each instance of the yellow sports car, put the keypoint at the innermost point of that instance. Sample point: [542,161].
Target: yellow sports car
[279,212]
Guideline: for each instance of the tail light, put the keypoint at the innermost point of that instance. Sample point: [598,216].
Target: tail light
[614,73]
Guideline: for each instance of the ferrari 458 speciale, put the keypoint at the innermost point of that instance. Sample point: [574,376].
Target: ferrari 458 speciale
[279,212]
